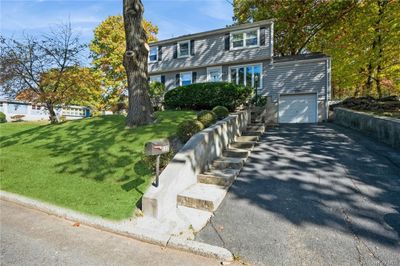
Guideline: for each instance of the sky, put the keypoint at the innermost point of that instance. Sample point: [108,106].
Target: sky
[173,17]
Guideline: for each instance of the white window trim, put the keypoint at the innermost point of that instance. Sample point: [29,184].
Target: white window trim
[244,39]
[209,69]
[155,78]
[179,50]
[183,73]
[245,70]
[156,54]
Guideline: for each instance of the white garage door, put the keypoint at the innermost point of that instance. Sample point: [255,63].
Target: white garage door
[298,108]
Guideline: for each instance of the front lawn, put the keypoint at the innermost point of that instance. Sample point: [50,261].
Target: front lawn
[91,165]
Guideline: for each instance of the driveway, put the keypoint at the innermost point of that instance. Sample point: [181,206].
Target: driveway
[313,195]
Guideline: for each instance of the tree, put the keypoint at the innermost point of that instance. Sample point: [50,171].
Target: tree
[107,50]
[24,64]
[296,22]
[365,50]
[140,110]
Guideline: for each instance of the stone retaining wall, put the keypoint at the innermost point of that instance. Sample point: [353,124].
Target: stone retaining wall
[193,158]
[384,129]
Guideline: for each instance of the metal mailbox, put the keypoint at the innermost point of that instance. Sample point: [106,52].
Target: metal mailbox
[156,147]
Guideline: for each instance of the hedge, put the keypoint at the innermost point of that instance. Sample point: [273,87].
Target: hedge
[203,96]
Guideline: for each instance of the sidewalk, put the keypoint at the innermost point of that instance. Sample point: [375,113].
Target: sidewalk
[35,238]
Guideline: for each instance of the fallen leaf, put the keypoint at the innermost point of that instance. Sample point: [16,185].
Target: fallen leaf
[76,224]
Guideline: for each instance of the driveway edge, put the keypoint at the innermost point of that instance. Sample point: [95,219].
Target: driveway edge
[140,234]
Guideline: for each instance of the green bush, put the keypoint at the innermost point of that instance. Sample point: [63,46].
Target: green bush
[150,160]
[156,93]
[205,96]
[188,128]
[259,100]
[220,111]
[3,118]
[207,118]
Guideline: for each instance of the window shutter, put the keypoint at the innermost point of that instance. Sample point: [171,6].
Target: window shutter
[177,79]
[148,79]
[163,79]
[262,36]
[192,47]
[175,50]
[227,42]
[194,77]
[159,53]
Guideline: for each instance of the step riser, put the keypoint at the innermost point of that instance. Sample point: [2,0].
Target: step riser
[213,180]
[256,128]
[252,133]
[196,203]
[242,145]
[236,154]
[223,164]
[247,138]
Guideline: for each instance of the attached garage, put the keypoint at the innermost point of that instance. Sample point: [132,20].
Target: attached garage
[298,108]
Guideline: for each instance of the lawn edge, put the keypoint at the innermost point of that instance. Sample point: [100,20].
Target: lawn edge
[156,238]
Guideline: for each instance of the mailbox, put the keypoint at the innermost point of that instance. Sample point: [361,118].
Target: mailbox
[157,147]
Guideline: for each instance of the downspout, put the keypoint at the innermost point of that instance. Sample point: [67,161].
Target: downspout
[327,87]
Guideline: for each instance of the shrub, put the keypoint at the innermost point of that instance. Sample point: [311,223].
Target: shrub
[150,160]
[205,96]
[188,128]
[259,100]
[156,93]
[3,118]
[220,111]
[207,118]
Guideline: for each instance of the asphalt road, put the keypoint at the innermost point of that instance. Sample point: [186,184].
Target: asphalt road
[30,237]
[313,195]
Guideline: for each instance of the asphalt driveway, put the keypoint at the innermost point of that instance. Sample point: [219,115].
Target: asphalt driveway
[313,195]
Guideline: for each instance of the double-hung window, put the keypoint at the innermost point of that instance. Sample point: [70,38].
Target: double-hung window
[246,38]
[186,78]
[153,54]
[184,49]
[156,78]
[246,75]
[214,74]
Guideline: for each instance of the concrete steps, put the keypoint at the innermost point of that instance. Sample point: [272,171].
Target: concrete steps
[221,177]
[202,196]
[212,185]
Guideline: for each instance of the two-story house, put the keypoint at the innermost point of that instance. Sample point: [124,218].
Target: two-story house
[298,87]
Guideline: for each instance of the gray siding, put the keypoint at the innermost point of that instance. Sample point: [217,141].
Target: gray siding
[210,51]
[295,77]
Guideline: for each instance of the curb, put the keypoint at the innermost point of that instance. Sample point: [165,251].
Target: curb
[147,236]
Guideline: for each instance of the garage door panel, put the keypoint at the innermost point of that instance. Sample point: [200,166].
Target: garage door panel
[298,108]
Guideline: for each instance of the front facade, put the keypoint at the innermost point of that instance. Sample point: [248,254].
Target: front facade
[26,111]
[298,88]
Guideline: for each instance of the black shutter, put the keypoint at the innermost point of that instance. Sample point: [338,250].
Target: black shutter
[192,47]
[194,77]
[227,42]
[175,50]
[177,79]
[159,53]
[163,79]
[148,79]
[262,36]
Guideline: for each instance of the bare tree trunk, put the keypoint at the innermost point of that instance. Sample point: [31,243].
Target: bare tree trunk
[140,110]
[52,114]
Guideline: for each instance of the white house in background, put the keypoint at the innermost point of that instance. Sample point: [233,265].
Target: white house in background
[37,112]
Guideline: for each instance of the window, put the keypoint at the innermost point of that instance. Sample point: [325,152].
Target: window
[246,75]
[153,54]
[186,78]
[242,39]
[214,74]
[184,49]
[155,78]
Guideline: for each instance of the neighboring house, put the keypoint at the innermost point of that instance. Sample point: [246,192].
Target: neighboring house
[298,87]
[35,112]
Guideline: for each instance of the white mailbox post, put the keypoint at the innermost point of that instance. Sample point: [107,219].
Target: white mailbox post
[156,148]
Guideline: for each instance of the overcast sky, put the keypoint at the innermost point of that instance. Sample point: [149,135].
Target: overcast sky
[173,17]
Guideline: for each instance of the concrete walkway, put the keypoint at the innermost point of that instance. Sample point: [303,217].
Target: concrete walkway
[313,195]
[30,237]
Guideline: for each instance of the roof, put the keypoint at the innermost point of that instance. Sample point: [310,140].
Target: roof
[213,32]
[299,57]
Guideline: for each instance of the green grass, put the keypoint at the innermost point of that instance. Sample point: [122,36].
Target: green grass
[91,165]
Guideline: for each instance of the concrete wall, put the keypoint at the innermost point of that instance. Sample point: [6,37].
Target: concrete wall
[193,158]
[384,129]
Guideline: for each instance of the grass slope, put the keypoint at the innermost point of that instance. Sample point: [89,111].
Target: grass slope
[91,165]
